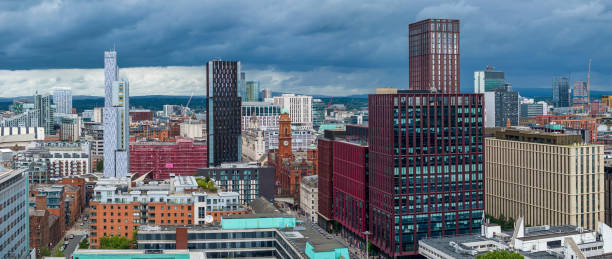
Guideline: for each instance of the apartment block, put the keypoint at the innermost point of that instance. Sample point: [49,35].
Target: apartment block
[119,207]
[183,157]
[249,180]
[547,178]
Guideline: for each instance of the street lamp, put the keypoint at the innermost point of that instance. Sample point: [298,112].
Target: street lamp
[367,233]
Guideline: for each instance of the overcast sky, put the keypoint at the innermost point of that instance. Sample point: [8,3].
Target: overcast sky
[340,47]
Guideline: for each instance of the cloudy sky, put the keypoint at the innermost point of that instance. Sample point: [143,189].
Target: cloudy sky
[339,47]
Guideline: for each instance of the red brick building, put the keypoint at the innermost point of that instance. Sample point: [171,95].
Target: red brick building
[350,188]
[290,167]
[141,115]
[183,157]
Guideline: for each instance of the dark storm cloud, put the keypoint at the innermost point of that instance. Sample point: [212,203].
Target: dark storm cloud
[313,46]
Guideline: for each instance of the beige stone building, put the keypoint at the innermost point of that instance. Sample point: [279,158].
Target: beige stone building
[550,179]
[309,196]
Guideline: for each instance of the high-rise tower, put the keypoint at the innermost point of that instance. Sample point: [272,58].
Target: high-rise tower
[434,55]
[561,92]
[223,109]
[116,119]
[425,171]
[62,98]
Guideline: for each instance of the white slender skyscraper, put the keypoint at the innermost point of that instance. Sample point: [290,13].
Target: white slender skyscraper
[116,119]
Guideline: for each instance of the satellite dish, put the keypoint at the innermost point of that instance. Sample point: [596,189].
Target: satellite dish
[208,219]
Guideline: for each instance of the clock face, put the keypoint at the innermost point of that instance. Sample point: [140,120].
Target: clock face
[286,143]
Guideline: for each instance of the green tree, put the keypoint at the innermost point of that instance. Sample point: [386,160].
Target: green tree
[44,251]
[100,165]
[84,244]
[115,242]
[500,254]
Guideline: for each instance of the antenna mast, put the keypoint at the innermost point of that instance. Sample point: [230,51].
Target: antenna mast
[589,83]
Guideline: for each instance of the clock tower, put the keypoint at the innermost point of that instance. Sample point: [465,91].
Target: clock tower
[284,135]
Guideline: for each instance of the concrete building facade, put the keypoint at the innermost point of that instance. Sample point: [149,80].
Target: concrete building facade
[547,178]
[309,197]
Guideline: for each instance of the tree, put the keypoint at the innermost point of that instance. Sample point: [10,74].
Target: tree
[44,251]
[84,244]
[500,254]
[115,242]
[100,165]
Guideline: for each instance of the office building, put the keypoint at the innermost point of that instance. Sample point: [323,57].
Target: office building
[265,114]
[531,110]
[250,181]
[43,103]
[301,140]
[309,197]
[62,98]
[501,107]
[548,178]
[318,113]
[70,128]
[242,87]
[160,159]
[267,233]
[325,146]
[351,187]
[581,93]
[299,107]
[434,55]
[425,167]
[116,119]
[14,214]
[252,91]
[561,92]
[489,80]
[223,109]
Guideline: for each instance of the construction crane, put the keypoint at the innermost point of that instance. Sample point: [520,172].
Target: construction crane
[331,98]
[184,109]
[589,83]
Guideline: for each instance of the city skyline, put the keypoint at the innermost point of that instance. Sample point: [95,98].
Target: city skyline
[363,48]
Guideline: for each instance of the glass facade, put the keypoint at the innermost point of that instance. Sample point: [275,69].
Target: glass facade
[223,110]
[561,92]
[426,168]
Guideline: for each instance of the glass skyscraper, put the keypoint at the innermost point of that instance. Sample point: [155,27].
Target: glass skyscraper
[223,104]
[489,80]
[252,92]
[561,92]
[116,119]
